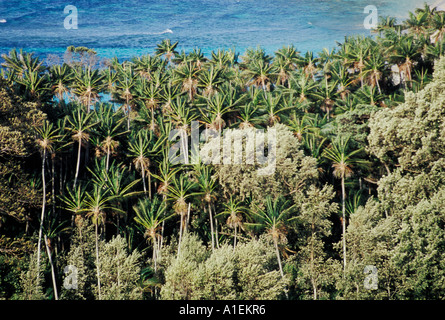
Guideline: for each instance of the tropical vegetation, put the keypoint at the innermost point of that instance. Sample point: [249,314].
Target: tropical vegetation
[92,205]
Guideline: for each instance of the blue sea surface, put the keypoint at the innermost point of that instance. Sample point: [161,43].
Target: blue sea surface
[133,27]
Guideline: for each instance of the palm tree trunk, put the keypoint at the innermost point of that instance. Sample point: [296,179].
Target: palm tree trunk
[143,178]
[42,216]
[53,275]
[211,227]
[108,158]
[180,235]
[343,204]
[53,183]
[78,162]
[314,287]
[234,239]
[278,257]
[97,262]
[155,255]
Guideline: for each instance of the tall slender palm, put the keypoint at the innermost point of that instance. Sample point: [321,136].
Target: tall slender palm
[210,80]
[95,207]
[374,70]
[274,218]
[273,107]
[150,214]
[60,77]
[48,135]
[343,162]
[149,95]
[259,73]
[125,88]
[80,125]
[438,25]
[215,108]
[207,192]
[141,148]
[118,183]
[286,60]
[87,84]
[405,53]
[180,191]
[187,76]
[235,211]
[109,128]
[166,49]
[308,63]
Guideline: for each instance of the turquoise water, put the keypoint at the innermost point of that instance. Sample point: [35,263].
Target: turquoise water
[134,27]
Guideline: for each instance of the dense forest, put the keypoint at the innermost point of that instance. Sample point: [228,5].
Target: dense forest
[93,207]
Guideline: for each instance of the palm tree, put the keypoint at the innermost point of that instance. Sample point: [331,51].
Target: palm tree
[327,96]
[36,86]
[405,53]
[341,76]
[343,162]
[385,23]
[149,94]
[235,211]
[48,135]
[273,107]
[215,108]
[150,214]
[146,65]
[187,76]
[210,80]
[96,204]
[374,70]
[308,63]
[21,62]
[87,84]
[302,87]
[125,88]
[259,73]
[60,77]
[274,218]
[166,49]
[117,182]
[248,115]
[416,23]
[79,124]
[207,185]
[141,148]
[438,25]
[179,192]
[109,128]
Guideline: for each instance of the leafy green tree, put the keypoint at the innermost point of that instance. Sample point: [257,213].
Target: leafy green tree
[120,271]
[315,208]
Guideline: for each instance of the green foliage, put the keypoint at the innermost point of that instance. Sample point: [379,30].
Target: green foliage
[359,127]
[246,272]
[119,271]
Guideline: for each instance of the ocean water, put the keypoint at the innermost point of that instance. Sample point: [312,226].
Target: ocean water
[133,27]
